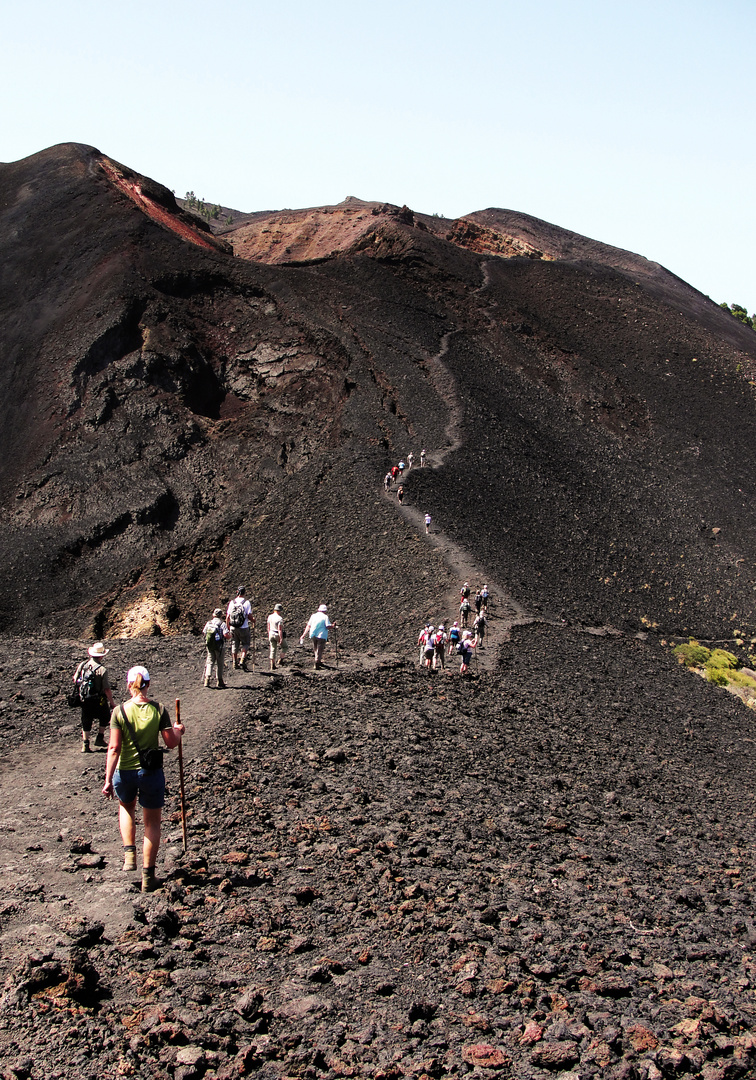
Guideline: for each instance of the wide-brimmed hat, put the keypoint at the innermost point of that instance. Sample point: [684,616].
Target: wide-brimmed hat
[277,607]
[98,649]
[323,608]
[218,613]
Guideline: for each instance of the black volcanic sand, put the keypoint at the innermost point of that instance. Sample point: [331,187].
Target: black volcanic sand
[546,870]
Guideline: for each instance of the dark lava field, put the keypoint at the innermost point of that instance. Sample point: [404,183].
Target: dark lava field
[542,869]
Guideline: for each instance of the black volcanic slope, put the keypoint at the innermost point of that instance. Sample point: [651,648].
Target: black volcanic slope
[178,418]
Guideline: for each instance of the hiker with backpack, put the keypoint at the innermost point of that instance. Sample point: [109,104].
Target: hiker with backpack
[240,619]
[464,610]
[439,648]
[465,648]
[216,633]
[93,694]
[317,627]
[425,641]
[427,524]
[410,459]
[479,629]
[454,634]
[134,769]
[484,598]
[400,494]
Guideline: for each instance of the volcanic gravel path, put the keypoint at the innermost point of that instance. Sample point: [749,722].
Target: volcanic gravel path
[548,870]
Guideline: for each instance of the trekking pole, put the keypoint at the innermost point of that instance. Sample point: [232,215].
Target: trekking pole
[181,776]
[253,646]
[336,644]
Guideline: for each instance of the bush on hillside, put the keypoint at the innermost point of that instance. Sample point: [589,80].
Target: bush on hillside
[720,658]
[692,654]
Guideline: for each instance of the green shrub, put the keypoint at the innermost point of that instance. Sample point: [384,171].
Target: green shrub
[739,678]
[692,654]
[717,676]
[720,658]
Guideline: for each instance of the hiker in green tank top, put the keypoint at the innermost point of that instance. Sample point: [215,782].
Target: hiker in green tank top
[136,728]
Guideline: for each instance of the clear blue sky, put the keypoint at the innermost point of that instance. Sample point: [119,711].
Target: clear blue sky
[629,123]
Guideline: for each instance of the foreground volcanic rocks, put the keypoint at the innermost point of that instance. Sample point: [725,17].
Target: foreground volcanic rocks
[544,871]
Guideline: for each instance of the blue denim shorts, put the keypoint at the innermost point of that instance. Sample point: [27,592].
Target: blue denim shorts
[149,786]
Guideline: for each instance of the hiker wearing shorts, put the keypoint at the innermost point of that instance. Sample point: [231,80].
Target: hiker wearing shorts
[479,629]
[98,707]
[135,731]
[427,523]
[484,598]
[464,611]
[400,494]
[276,635]
[425,641]
[240,619]
[410,459]
[422,459]
[387,481]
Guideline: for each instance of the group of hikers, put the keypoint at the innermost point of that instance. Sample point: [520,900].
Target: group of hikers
[396,473]
[238,624]
[134,762]
[434,641]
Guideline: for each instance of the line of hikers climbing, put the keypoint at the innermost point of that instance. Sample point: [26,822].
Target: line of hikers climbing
[434,641]
[396,473]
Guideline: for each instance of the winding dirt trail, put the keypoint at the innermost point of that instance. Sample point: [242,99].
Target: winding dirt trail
[503,610]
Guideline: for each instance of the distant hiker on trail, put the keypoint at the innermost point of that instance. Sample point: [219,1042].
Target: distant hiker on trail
[464,611]
[465,649]
[401,468]
[410,459]
[422,459]
[454,634]
[479,629]
[425,641]
[387,481]
[394,472]
[427,523]
[216,634]
[276,635]
[464,592]
[317,627]
[400,494]
[134,768]
[439,647]
[478,601]
[92,689]
[239,618]
[484,597]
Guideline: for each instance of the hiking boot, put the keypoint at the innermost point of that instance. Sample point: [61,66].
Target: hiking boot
[129,857]
[243,665]
[221,686]
[206,684]
[85,747]
[148,879]
[100,740]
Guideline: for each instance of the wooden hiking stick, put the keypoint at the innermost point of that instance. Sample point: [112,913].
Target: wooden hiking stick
[181,775]
[253,646]
[336,644]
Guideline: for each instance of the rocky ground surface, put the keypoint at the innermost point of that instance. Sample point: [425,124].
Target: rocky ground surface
[543,870]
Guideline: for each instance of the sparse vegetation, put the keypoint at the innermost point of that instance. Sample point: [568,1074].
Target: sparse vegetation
[740,313]
[718,666]
[199,206]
